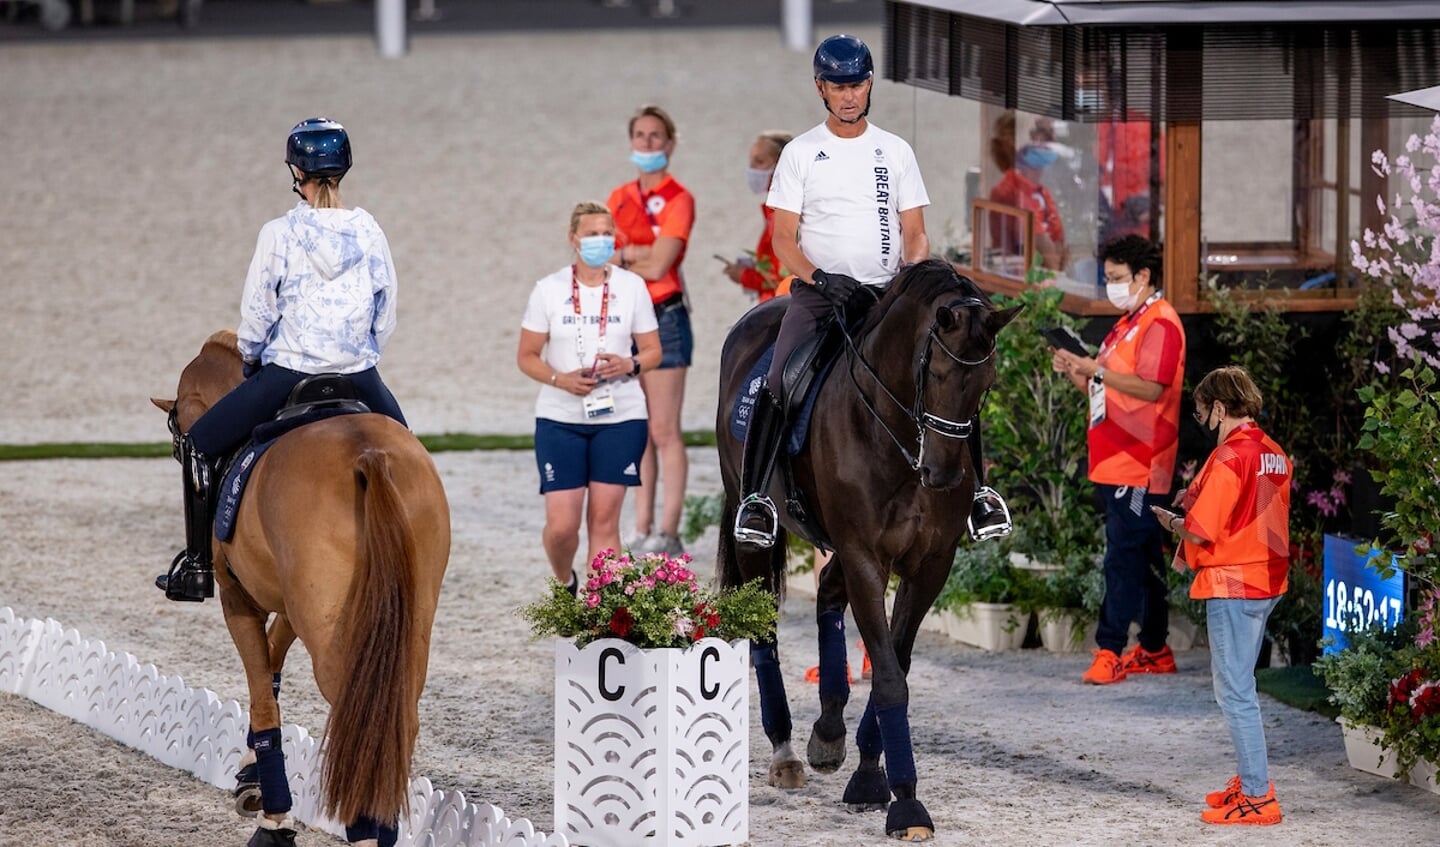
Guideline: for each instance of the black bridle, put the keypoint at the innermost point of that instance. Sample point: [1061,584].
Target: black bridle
[921,418]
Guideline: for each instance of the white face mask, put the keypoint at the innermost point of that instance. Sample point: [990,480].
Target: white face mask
[1118,293]
[757,180]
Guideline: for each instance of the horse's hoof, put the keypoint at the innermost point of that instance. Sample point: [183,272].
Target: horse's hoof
[247,801]
[787,775]
[868,790]
[908,821]
[825,756]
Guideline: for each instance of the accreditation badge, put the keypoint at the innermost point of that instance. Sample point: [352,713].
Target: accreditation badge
[599,403]
[1097,402]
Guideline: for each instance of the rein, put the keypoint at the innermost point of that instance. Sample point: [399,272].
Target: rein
[921,418]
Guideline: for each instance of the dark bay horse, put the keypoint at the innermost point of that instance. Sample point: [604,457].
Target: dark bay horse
[886,471]
[344,535]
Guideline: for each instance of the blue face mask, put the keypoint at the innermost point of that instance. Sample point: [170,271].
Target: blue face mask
[758,180]
[596,250]
[649,162]
[1037,157]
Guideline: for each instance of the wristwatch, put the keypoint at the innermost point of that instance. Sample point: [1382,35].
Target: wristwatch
[1099,374]
[634,366]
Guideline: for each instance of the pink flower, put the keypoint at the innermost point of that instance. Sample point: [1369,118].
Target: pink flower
[592,599]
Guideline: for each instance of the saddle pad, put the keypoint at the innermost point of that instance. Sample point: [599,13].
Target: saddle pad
[744,408]
[236,475]
[238,471]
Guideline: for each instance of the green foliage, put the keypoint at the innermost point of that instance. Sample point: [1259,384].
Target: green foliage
[980,573]
[702,511]
[651,601]
[1401,431]
[1390,681]
[1034,430]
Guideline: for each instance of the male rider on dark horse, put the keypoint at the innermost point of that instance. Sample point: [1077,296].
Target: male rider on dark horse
[327,272]
[849,211]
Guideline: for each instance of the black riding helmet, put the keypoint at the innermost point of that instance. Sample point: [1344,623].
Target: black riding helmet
[843,59]
[319,147]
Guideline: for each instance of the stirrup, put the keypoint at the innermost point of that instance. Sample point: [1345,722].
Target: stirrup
[995,522]
[758,539]
[186,583]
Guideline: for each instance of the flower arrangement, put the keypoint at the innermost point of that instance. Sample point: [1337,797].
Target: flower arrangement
[1390,680]
[651,601]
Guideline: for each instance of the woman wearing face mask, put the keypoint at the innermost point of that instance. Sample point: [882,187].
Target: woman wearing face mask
[761,274]
[653,217]
[576,341]
[1134,385]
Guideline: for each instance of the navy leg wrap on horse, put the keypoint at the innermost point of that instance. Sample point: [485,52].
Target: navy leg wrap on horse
[833,682]
[867,734]
[369,828]
[270,763]
[774,707]
[895,732]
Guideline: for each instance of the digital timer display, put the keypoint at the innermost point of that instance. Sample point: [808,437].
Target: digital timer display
[1355,593]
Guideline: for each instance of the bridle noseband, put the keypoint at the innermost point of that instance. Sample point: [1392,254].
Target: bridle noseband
[921,418]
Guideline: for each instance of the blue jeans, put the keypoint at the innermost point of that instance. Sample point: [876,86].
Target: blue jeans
[1237,628]
[1135,570]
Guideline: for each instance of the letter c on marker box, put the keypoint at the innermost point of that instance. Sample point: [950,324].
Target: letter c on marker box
[612,653]
[710,654]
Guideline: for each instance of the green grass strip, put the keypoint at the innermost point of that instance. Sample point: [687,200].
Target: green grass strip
[1297,686]
[443,443]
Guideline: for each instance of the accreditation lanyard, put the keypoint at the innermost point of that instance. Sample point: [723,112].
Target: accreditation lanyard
[580,317]
[1113,339]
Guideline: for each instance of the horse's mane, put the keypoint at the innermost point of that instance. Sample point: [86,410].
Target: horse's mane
[221,342]
[922,283]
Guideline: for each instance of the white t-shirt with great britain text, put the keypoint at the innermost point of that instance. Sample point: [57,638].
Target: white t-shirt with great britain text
[550,311]
[849,193]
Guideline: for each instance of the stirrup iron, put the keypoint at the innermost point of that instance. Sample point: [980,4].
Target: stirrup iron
[996,522]
[756,538]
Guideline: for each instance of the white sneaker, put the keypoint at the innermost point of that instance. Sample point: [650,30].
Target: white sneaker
[658,542]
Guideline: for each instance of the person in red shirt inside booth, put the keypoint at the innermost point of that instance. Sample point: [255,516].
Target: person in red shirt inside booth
[1235,536]
[1134,384]
[1020,186]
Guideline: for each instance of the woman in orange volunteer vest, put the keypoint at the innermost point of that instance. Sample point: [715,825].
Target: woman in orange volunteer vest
[1135,388]
[653,217]
[1235,536]
[761,274]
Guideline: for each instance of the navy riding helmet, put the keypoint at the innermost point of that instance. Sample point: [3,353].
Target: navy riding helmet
[843,59]
[319,147]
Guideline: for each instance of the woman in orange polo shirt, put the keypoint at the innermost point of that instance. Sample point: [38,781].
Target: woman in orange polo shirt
[762,274]
[1235,536]
[653,217]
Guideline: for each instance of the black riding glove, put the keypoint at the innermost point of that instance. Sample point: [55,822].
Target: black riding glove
[249,369]
[837,288]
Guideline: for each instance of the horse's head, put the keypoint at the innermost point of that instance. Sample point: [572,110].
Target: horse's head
[208,377]
[952,326]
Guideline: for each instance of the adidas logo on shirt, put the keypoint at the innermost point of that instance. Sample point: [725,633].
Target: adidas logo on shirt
[821,157]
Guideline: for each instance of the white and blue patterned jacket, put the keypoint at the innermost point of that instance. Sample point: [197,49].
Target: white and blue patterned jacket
[320,294]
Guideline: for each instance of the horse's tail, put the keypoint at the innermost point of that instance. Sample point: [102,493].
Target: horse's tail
[370,735]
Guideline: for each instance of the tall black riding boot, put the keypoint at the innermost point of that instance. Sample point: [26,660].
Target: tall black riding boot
[756,521]
[192,573]
[989,516]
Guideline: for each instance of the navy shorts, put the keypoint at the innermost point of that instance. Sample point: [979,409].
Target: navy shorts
[571,456]
[677,342]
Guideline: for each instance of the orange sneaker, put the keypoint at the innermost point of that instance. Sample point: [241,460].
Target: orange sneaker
[1106,668]
[864,660]
[1228,794]
[1139,660]
[1246,810]
[812,675]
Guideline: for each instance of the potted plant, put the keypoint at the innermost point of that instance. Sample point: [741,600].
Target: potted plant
[652,702]
[1387,685]
[977,604]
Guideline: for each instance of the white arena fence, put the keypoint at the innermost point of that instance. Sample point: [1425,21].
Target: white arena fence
[192,730]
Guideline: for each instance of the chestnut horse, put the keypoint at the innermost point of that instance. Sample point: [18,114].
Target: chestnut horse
[344,535]
[886,472]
